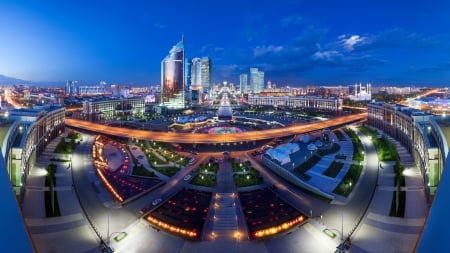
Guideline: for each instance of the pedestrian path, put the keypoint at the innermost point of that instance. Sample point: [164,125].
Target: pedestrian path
[56,234]
[397,234]
[225,218]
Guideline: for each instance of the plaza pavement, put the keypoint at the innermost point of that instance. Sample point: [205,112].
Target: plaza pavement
[378,232]
[68,233]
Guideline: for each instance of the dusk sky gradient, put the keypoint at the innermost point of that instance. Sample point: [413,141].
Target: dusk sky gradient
[295,43]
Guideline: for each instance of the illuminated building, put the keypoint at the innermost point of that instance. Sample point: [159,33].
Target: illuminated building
[420,132]
[71,88]
[256,80]
[243,83]
[172,77]
[359,92]
[333,105]
[205,74]
[108,108]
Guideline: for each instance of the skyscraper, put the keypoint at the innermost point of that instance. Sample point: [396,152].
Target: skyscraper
[71,88]
[196,81]
[172,77]
[196,72]
[256,80]
[243,83]
[206,74]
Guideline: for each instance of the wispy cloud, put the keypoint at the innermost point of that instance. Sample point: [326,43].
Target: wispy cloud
[291,20]
[263,50]
[438,68]
[159,25]
[210,48]
[393,38]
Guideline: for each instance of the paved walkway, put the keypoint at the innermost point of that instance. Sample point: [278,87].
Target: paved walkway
[68,233]
[225,220]
[380,232]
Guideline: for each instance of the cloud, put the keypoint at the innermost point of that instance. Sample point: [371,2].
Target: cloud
[393,38]
[158,25]
[438,68]
[328,56]
[291,20]
[208,48]
[350,43]
[263,50]
[312,51]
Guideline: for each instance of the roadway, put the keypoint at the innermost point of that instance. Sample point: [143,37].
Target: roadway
[204,138]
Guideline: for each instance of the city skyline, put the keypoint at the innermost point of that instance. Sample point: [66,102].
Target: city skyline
[293,42]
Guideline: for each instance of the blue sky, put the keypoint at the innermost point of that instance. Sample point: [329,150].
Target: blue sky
[294,42]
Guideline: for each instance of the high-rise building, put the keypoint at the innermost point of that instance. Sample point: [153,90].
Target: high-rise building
[196,72]
[187,75]
[206,74]
[256,80]
[71,88]
[173,78]
[196,81]
[243,83]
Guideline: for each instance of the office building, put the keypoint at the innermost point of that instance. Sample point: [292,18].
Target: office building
[173,78]
[206,74]
[243,83]
[256,80]
[71,88]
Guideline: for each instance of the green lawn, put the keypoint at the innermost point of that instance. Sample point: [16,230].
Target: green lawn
[349,181]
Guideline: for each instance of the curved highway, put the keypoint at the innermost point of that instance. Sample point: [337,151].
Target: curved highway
[204,138]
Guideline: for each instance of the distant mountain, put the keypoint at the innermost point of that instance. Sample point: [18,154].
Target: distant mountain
[11,80]
[6,80]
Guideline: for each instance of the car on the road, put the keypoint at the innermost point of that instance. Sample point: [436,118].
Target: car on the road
[156,201]
[187,177]
[144,210]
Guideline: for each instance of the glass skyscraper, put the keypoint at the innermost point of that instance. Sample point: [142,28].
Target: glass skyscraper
[243,83]
[206,74]
[256,80]
[172,77]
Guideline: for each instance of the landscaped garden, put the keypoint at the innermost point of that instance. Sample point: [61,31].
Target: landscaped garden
[347,184]
[345,187]
[245,175]
[206,174]
[51,196]
[67,145]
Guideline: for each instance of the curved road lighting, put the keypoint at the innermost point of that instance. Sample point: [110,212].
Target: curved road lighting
[203,138]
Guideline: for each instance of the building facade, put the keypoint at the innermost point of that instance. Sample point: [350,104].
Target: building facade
[71,88]
[318,104]
[29,133]
[419,132]
[243,83]
[205,74]
[173,78]
[256,80]
[110,108]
